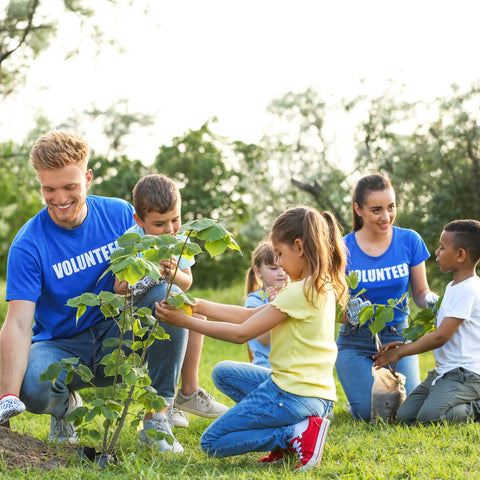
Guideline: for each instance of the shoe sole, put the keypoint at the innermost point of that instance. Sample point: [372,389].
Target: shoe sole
[8,415]
[198,413]
[319,445]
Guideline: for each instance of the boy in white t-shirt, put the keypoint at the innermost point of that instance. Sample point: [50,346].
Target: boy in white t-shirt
[451,391]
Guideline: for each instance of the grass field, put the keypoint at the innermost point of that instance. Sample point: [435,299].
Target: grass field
[354,450]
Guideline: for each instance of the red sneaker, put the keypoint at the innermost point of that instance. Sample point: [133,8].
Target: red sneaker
[309,444]
[276,455]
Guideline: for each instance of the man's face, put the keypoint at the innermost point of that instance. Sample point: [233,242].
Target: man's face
[155,223]
[64,191]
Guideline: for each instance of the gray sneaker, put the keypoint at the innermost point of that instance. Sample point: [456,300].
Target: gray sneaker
[200,403]
[178,418]
[159,423]
[62,431]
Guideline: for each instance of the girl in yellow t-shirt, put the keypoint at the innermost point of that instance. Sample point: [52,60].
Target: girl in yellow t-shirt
[282,410]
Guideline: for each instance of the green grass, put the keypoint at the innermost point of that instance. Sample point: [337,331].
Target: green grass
[354,450]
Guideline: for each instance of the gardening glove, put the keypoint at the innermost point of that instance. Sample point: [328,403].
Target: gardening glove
[354,307]
[10,405]
[431,299]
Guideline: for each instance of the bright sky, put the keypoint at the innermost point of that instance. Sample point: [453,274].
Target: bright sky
[190,60]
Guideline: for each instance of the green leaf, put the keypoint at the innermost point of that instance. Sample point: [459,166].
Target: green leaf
[89,299]
[383,315]
[52,372]
[109,413]
[74,302]
[109,310]
[216,248]
[94,435]
[91,415]
[366,313]
[97,402]
[85,373]
[213,233]
[352,280]
[105,296]
[111,342]
[158,404]
[70,360]
[128,239]
[135,272]
[130,378]
[76,414]
[80,311]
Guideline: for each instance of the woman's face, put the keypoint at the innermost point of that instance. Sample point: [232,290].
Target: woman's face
[379,211]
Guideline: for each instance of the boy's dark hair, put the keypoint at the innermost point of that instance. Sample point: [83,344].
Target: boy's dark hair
[155,193]
[467,236]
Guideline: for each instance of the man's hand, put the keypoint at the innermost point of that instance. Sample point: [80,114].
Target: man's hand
[10,406]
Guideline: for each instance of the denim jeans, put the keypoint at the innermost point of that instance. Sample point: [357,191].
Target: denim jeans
[354,365]
[264,416]
[165,358]
[454,397]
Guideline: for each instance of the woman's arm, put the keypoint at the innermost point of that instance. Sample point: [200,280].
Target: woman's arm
[419,284]
[259,320]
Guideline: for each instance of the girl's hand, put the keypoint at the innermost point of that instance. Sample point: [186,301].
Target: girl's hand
[171,315]
[272,293]
[388,355]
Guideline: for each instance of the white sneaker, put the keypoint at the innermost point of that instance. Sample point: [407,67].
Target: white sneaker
[62,431]
[10,406]
[152,434]
[200,403]
[178,418]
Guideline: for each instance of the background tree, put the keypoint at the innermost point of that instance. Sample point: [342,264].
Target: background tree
[26,29]
[434,163]
[306,168]
[210,187]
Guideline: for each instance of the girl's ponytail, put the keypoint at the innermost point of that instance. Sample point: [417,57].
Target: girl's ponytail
[251,283]
[338,258]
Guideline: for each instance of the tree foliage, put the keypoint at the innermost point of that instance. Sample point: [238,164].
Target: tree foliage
[434,163]
[26,29]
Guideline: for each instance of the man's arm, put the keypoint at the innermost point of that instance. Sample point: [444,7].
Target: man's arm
[15,341]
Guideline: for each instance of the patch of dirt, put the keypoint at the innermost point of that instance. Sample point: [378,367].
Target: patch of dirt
[23,451]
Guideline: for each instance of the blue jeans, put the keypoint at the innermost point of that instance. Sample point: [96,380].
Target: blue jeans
[165,358]
[354,365]
[263,418]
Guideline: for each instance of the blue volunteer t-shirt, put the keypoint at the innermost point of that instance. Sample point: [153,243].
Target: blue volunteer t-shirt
[388,275]
[49,264]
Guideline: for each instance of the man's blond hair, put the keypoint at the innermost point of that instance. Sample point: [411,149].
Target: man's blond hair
[58,149]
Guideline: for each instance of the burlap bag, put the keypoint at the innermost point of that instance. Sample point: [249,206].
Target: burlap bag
[388,393]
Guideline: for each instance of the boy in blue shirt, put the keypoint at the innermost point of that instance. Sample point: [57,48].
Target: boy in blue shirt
[451,391]
[157,204]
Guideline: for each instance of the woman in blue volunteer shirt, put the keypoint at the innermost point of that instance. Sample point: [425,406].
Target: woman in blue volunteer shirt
[387,260]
